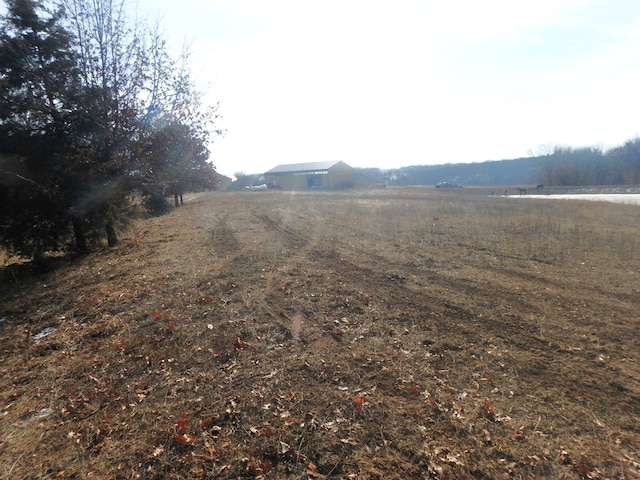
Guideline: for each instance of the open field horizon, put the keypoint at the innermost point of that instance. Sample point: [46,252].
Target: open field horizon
[368,334]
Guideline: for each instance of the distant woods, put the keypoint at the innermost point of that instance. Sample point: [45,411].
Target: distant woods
[98,121]
[554,166]
[566,166]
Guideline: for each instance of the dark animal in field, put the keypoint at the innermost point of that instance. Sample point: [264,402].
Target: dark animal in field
[539,187]
[522,191]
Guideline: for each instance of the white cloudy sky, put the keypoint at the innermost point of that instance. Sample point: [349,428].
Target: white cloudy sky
[404,82]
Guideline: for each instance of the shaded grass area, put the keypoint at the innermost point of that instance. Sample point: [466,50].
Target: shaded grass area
[404,333]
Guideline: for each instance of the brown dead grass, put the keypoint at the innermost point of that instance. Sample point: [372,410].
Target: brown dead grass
[360,335]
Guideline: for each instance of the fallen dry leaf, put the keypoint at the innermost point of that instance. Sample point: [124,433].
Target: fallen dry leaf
[312,471]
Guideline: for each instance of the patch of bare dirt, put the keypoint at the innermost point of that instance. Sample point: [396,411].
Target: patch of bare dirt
[355,335]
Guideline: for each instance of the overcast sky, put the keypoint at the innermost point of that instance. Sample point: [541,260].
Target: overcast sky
[399,82]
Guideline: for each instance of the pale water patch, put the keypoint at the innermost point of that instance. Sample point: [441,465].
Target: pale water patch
[628,198]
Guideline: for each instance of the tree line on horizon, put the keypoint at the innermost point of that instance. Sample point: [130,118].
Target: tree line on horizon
[566,166]
[556,166]
[98,121]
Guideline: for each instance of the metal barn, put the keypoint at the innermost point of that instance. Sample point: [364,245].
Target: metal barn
[316,175]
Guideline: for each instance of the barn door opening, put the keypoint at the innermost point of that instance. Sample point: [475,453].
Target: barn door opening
[314,180]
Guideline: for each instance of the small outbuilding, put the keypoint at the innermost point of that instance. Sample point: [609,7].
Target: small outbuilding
[316,175]
[223,181]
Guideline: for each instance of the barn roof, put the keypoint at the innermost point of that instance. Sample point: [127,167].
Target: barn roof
[304,167]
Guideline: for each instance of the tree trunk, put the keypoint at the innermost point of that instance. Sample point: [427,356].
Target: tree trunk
[175,199]
[112,237]
[81,241]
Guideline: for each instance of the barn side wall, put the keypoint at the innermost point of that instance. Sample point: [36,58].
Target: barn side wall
[288,181]
[340,177]
[337,177]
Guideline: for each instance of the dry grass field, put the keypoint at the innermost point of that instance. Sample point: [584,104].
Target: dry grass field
[378,334]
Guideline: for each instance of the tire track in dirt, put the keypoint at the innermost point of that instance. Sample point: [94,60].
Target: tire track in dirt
[223,239]
[289,237]
[569,283]
[256,251]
